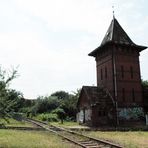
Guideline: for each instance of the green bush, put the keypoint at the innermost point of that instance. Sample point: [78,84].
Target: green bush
[50,117]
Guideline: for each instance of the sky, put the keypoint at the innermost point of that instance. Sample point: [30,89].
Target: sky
[48,41]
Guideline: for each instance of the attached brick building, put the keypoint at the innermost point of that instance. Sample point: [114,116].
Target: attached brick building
[96,106]
[118,72]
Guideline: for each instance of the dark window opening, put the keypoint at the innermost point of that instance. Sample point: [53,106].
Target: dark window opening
[133,95]
[105,72]
[131,70]
[123,94]
[101,113]
[122,71]
[101,75]
[84,115]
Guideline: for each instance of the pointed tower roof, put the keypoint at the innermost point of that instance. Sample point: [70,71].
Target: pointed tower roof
[116,35]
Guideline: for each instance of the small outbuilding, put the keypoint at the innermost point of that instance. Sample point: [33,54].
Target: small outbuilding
[96,107]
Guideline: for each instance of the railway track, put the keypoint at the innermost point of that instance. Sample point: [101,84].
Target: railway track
[75,137]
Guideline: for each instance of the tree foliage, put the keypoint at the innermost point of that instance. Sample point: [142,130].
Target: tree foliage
[145,84]
[61,114]
[9,98]
[61,95]
[145,95]
[61,103]
[46,104]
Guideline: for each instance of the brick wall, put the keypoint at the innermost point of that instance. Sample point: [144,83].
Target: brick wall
[129,91]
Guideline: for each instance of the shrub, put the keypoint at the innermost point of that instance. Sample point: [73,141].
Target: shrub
[50,117]
[60,113]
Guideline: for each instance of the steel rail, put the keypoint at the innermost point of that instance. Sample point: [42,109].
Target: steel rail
[89,143]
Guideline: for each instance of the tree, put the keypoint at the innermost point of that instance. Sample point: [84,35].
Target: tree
[145,95]
[145,84]
[7,104]
[61,95]
[61,102]
[44,105]
[70,105]
[17,97]
[61,114]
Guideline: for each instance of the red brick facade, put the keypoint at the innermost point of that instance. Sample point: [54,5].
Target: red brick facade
[120,65]
[96,107]
[118,74]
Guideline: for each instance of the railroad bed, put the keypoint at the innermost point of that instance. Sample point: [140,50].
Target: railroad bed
[75,137]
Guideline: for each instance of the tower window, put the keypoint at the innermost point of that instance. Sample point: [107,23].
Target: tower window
[122,71]
[101,113]
[105,72]
[101,75]
[123,94]
[131,71]
[133,95]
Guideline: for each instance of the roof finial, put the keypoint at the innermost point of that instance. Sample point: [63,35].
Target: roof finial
[113,12]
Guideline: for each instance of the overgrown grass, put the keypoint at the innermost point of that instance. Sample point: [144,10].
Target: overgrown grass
[15,123]
[65,124]
[131,139]
[127,139]
[36,139]
[31,139]
[50,117]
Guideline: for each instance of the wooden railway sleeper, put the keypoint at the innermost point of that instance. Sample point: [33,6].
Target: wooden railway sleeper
[90,143]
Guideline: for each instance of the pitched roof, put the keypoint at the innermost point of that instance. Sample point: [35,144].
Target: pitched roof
[116,34]
[96,95]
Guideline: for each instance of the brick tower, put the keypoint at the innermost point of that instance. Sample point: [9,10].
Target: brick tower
[118,70]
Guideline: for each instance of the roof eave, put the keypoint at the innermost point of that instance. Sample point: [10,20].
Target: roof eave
[139,47]
[93,53]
